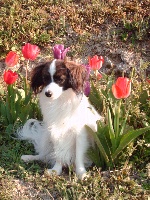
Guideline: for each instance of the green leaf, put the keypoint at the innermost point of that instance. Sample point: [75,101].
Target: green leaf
[27,99]
[18,106]
[128,138]
[96,98]
[23,115]
[123,124]
[8,114]
[104,137]
[4,113]
[95,91]
[9,129]
[94,155]
[111,131]
[13,109]
[98,142]
[105,93]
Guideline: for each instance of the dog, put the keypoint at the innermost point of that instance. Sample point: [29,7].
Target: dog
[61,138]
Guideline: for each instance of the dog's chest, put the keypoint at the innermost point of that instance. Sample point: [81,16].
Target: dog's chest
[62,135]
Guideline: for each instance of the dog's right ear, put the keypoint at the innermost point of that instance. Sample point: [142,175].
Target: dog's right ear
[36,78]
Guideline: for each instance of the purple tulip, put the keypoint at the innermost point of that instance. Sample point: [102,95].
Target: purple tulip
[87,83]
[87,88]
[59,51]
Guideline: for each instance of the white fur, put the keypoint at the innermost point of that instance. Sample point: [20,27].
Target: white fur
[55,89]
[62,138]
[52,69]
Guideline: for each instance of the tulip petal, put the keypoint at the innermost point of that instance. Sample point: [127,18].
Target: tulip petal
[11,59]
[87,88]
[122,88]
[34,51]
[10,77]
[30,51]
[125,86]
[57,53]
[60,46]
[128,89]
[63,55]
[95,62]
[117,92]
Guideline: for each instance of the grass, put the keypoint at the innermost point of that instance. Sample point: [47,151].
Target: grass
[27,181]
[75,24]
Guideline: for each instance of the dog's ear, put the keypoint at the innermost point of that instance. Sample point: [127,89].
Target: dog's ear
[77,76]
[36,78]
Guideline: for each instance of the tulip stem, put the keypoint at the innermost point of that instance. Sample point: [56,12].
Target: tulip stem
[117,117]
[9,99]
[96,73]
[27,72]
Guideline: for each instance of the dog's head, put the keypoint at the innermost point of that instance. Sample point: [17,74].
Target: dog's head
[57,76]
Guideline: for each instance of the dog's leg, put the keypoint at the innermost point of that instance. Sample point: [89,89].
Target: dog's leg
[57,169]
[28,158]
[81,148]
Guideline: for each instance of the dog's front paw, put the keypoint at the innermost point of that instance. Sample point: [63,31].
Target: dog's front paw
[50,172]
[57,170]
[82,174]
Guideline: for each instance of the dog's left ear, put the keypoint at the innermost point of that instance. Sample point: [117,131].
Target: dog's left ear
[36,78]
[77,75]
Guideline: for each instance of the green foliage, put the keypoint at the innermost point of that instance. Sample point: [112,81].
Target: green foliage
[108,147]
[16,106]
[134,30]
[114,136]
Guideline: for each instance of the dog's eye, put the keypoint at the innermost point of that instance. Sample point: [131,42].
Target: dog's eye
[58,79]
[46,77]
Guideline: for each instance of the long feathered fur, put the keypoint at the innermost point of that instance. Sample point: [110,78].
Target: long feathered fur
[61,138]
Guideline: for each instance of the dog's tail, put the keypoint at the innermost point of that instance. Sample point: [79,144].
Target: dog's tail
[32,131]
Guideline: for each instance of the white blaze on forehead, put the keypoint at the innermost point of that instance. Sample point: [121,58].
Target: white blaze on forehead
[52,69]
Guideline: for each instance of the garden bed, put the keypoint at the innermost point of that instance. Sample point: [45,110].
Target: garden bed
[122,48]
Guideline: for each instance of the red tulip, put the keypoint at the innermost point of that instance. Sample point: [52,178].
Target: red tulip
[11,59]
[30,51]
[10,77]
[95,62]
[122,88]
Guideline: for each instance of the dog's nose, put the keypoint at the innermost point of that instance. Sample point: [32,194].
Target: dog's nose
[48,93]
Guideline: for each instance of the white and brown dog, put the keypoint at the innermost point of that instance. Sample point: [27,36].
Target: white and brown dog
[62,137]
